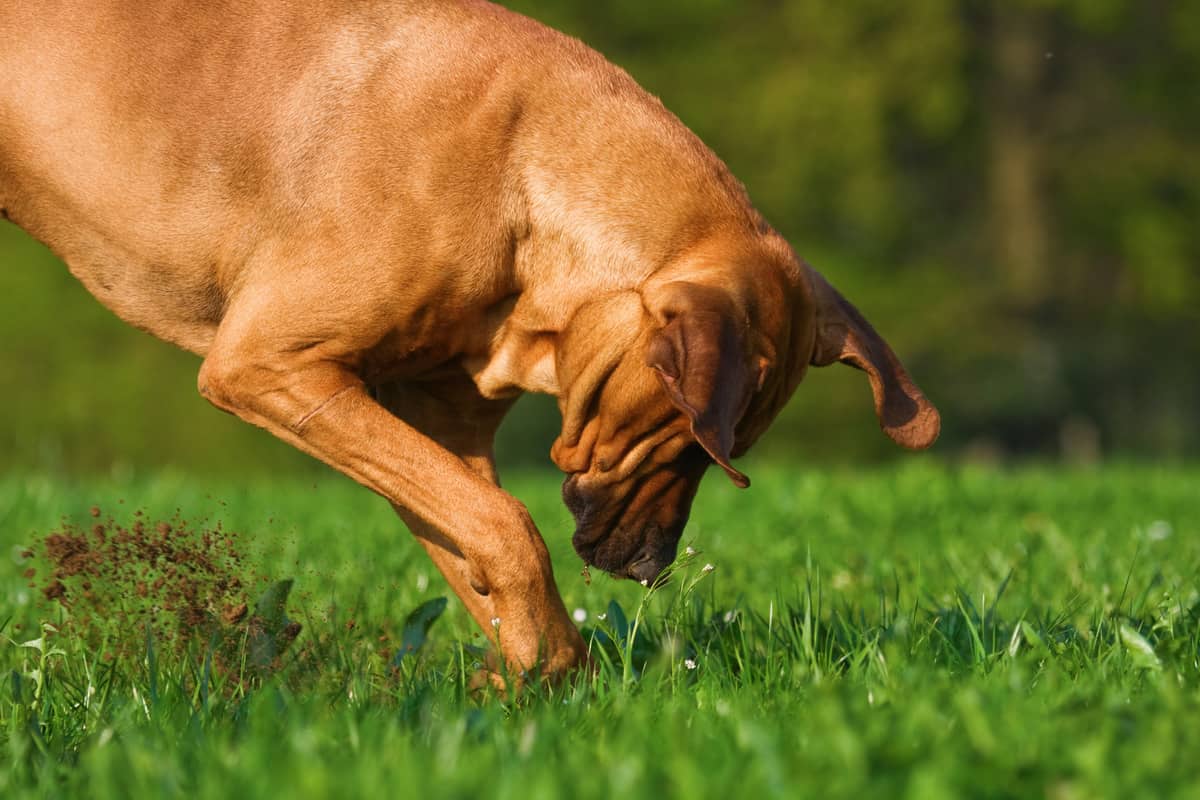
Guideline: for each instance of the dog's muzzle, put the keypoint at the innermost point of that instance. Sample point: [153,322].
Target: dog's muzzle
[632,529]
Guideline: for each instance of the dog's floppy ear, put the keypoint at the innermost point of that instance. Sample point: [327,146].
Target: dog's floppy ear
[698,357]
[843,334]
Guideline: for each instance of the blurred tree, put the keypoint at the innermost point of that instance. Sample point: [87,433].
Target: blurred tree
[1009,190]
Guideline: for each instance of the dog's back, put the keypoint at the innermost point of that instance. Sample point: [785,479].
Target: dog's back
[158,148]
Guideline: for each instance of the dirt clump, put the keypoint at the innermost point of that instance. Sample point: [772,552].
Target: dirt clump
[181,584]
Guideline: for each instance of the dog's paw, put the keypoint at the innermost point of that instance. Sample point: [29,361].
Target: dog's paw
[486,684]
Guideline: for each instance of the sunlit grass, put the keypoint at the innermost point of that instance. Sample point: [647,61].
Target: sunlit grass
[914,631]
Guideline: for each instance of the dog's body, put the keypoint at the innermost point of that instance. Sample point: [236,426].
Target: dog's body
[380,222]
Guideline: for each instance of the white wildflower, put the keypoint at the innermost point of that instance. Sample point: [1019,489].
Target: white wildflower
[690,663]
[495,622]
[1159,530]
[579,615]
[708,568]
[690,551]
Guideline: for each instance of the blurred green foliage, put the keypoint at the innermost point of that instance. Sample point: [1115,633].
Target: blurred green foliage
[1009,190]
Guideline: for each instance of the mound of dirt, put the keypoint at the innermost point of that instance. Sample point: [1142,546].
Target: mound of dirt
[186,585]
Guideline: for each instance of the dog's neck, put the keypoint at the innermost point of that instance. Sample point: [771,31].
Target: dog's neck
[576,276]
[597,209]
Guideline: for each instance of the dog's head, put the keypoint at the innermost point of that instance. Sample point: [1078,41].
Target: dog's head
[689,371]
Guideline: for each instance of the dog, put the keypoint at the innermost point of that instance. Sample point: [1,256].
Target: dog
[379,223]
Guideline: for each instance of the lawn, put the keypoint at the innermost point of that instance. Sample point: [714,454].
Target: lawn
[912,631]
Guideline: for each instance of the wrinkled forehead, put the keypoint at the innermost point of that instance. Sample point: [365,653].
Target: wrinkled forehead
[634,426]
[624,409]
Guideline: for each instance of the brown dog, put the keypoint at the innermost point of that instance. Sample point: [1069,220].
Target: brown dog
[378,223]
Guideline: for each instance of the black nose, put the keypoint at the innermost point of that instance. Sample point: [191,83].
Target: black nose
[649,565]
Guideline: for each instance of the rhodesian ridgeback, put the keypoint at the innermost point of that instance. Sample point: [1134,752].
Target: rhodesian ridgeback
[378,223]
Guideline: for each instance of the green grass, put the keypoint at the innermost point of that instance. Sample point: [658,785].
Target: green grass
[915,631]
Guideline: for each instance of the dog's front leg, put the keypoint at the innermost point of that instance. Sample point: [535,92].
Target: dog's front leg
[453,414]
[482,538]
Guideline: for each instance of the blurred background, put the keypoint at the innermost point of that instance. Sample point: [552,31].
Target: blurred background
[1009,190]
